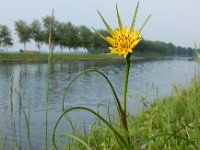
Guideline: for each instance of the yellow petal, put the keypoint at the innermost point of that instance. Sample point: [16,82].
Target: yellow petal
[111,41]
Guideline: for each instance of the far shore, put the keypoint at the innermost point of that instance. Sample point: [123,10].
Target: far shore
[43,58]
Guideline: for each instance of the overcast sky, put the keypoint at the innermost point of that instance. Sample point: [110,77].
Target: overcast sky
[175,21]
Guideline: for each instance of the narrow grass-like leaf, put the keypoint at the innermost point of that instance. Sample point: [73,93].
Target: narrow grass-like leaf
[107,26]
[27,125]
[3,143]
[99,34]
[71,124]
[144,23]
[119,19]
[11,100]
[134,18]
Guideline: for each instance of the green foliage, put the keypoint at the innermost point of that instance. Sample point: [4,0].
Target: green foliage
[85,35]
[23,32]
[177,115]
[72,36]
[62,35]
[37,34]
[157,47]
[5,37]
[47,27]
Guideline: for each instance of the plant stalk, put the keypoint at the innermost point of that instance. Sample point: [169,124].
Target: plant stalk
[125,90]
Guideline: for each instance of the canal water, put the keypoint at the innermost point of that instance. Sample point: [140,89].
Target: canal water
[33,84]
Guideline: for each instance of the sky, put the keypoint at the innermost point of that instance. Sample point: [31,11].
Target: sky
[175,21]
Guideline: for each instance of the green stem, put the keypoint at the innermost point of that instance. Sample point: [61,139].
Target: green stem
[125,90]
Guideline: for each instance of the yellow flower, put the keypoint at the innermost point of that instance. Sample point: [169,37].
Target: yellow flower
[123,39]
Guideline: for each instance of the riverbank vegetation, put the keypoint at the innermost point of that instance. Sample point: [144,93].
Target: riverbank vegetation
[171,122]
[37,58]
[17,57]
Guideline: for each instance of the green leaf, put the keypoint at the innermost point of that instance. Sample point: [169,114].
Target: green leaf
[134,18]
[119,19]
[144,23]
[99,34]
[107,26]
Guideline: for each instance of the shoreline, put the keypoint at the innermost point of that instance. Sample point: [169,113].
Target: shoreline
[59,58]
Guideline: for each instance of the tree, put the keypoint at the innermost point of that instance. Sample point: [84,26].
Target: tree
[49,24]
[62,35]
[67,35]
[37,34]
[23,31]
[73,40]
[85,36]
[5,37]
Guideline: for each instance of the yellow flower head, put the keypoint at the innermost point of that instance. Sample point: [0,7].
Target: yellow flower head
[123,39]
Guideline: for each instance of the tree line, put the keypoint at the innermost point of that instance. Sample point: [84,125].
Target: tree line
[66,35]
[163,48]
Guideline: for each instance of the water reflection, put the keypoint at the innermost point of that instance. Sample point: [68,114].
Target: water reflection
[148,79]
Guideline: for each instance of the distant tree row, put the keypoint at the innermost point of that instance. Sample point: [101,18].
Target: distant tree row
[63,35]
[68,36]
[163,48]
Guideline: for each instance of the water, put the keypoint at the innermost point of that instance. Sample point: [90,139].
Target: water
[148,79]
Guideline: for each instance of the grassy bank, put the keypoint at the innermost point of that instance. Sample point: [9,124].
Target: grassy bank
[23,58]
[172,122]
[55,57]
